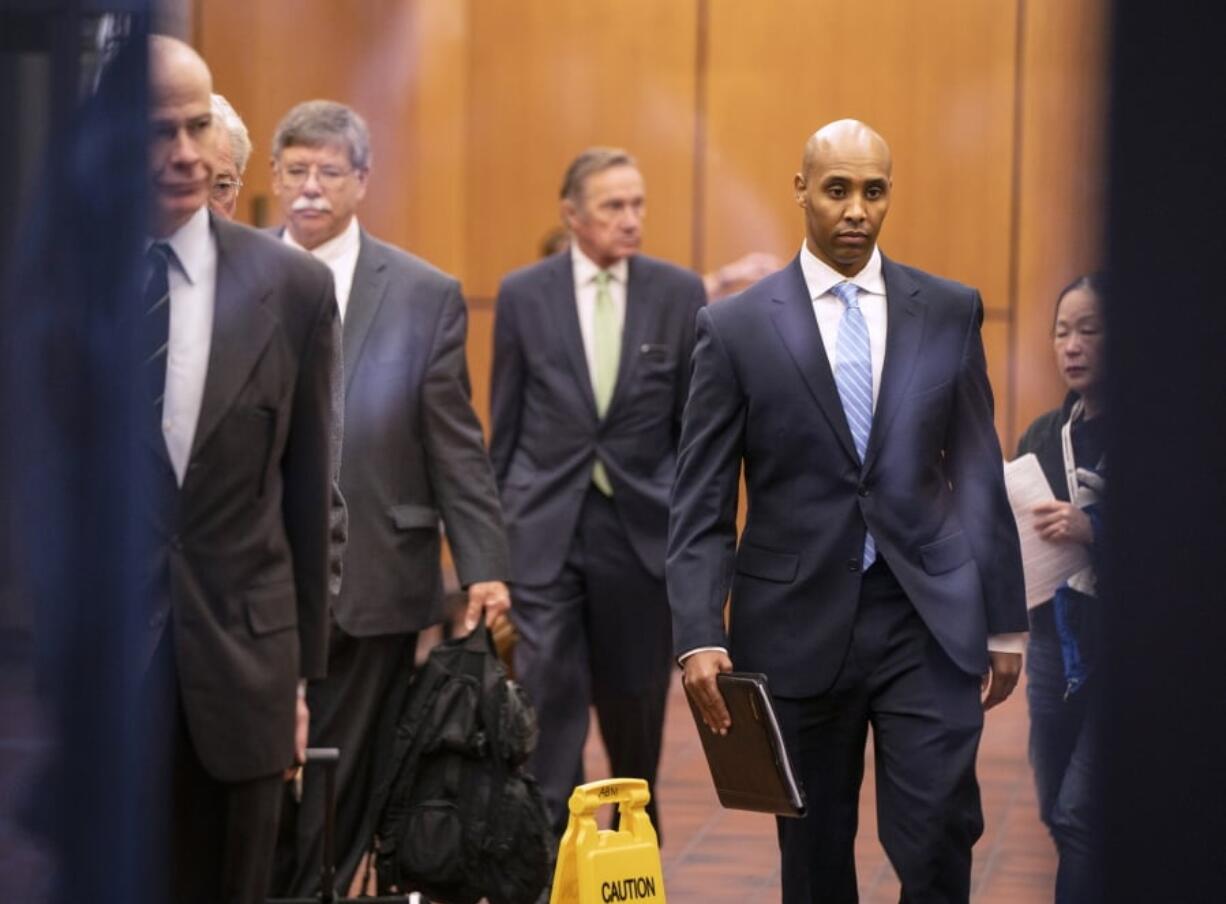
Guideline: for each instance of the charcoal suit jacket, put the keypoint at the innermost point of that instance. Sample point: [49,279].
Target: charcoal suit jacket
[413,456]
[546,434]
[239,553]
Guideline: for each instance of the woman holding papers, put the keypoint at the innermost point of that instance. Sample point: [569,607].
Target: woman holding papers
[1069,444]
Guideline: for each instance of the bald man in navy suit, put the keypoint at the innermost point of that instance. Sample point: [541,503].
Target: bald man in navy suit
[878,579]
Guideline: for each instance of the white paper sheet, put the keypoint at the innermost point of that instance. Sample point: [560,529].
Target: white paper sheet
[1046,565]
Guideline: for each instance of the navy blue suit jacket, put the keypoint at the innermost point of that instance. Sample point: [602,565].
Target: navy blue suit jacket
[545,434]
[931,488]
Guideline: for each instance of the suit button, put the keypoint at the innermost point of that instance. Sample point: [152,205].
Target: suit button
[862,490]
[157,619]
[853,564]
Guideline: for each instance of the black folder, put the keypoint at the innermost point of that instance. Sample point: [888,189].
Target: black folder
[750,764]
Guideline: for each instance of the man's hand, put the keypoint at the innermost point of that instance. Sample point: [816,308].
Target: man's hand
[699,679]
[492,597]
[1002,677]
[302,722]
[1062,522]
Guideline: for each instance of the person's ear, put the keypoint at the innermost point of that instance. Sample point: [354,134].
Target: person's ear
[798,182]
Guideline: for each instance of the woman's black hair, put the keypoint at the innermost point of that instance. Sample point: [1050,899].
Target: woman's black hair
[1095,282]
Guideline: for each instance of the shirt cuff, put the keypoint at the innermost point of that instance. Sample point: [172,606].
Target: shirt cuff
[686,655]
[1008,643]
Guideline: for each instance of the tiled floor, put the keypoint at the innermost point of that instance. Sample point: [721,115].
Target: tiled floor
[713,855]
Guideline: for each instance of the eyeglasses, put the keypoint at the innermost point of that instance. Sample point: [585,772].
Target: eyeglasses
[225,190]
[296,174]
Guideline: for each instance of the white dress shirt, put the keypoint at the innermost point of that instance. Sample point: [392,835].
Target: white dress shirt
[341,256]
[586,272]
[192,276]
[820,278]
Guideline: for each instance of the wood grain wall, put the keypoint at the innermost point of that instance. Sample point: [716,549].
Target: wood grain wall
[994,111]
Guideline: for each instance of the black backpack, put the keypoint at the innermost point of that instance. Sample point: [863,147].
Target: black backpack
[458,818]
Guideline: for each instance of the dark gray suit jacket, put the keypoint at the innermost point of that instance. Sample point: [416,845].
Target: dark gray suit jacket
[240,551]
[931,487]
[413,451]
[545,432]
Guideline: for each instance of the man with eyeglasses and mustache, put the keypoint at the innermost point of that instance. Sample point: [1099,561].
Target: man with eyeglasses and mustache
[232,143]
[413,457]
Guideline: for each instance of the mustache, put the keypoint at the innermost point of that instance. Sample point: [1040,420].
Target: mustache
[319,204]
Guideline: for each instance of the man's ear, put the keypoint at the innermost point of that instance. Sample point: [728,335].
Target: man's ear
[570,213]
[798,183]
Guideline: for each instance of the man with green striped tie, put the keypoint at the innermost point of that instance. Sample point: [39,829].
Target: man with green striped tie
[591,368]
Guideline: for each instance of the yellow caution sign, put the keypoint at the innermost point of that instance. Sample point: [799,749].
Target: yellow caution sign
[599,866]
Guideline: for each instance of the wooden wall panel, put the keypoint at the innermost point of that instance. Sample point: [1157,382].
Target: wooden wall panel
[480,344]
[1061,183]
[997,337]
[476,106]
[935,77]
[401,63]
[547,79]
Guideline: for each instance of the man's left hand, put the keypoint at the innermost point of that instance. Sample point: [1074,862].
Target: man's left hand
[302,723]
[492,597]
[1003,672]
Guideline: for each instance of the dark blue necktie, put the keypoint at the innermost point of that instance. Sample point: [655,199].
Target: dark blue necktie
[155,324]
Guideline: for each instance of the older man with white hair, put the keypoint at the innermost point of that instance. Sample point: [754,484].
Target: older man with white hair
[233,149]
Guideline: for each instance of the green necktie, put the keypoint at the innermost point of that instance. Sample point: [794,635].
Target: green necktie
[607,339]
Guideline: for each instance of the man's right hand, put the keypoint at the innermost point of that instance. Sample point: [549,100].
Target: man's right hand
[700,671]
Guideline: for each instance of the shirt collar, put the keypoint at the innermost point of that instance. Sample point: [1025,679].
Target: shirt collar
[190,243]
[586,270]
[820,277]
[335,248]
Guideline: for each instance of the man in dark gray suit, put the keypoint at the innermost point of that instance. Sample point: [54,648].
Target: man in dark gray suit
[591,365]
[413,456]
[238,345]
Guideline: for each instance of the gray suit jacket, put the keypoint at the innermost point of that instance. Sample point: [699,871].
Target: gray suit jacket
[413,451]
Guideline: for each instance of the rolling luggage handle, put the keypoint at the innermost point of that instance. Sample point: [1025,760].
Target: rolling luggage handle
[327,758]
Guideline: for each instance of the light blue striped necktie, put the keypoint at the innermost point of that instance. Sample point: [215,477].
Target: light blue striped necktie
[853,375]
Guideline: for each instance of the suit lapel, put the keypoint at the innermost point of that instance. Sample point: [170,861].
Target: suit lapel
[904,330]
[565,312]
[365,297]
[797,327]
[242,327]
[639,302]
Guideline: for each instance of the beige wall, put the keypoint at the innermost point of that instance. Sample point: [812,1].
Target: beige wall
[993,109]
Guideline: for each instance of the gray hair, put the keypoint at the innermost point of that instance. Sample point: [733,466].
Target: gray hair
[236,130]
[588,163]
[315,123]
